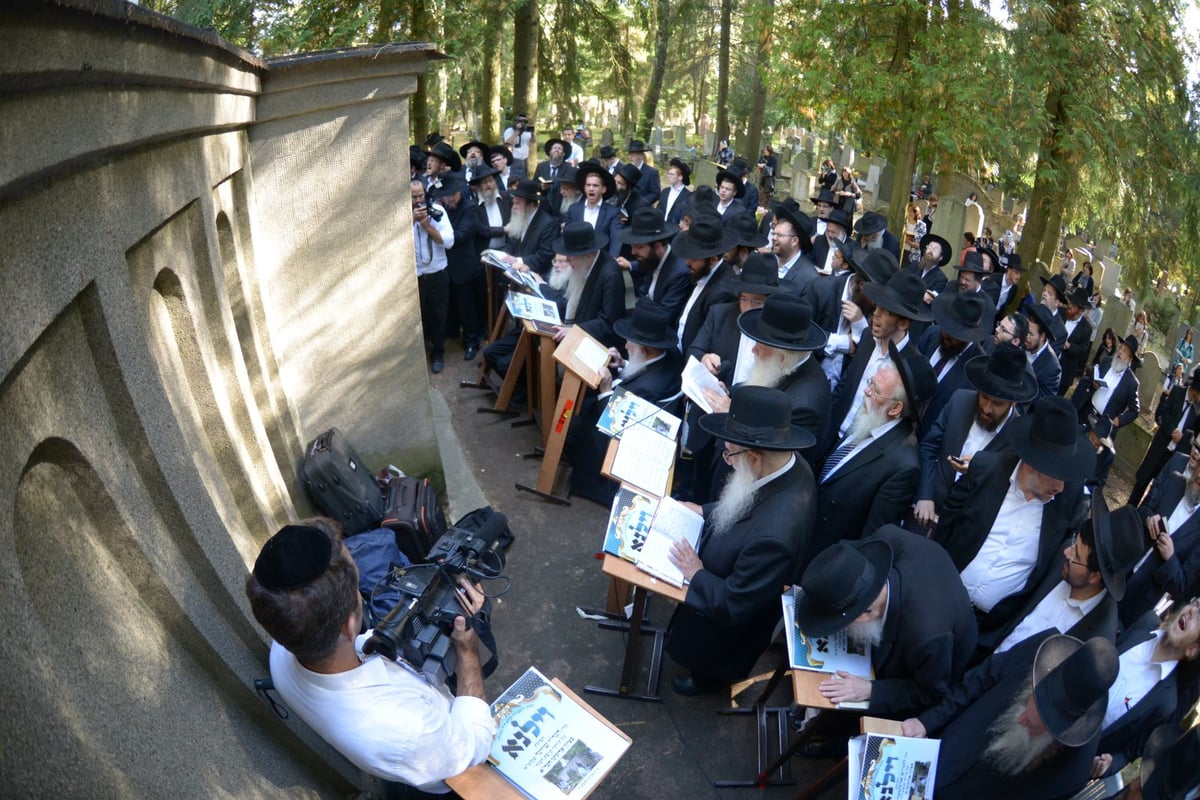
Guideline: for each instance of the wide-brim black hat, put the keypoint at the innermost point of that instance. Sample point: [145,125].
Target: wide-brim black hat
[877,266]
[565,146]
[1013,262]
[1131,342]
[840,216]
[683,168]
[1079,297]
[579,239]
[801,223]
[446,154]
[841,582]
[500,150]
[869,223]
[1049,440]
[607,151]
[591,168]
[629,173]
[903,294]
[1060,286]
[636,146]
[1120,542]
[746,226]
[527,189]
[734,178]
[824,196]
[481,172]
[967,316]
[483,148]
[649,325]
[566,174]
[947,250]
[1044,317]
[994,256]
[647,225]
[1003,374]
[784,322]
[1168,768]
[759,418]
[759,275]
[1071,680]
[706,238]
[972,262]
[917,377]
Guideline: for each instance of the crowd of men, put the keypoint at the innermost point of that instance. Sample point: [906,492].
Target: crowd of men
[899,445]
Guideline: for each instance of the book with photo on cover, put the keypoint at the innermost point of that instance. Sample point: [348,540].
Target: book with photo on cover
[880,766]
[822,653]
[629,523]
[625,409]
[549,745]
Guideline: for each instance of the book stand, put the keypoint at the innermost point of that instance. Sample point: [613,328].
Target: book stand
[643,584]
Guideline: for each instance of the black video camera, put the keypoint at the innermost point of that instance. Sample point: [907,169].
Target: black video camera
[434,213]
[418,627]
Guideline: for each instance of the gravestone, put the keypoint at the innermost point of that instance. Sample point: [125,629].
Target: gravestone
[1150,377]
[704,173]
[887,180]
[847,158]
[710,142]
[656,139]
[606,137]
[680,137]
[872,183]
[948,223]
[835,152]
[801,161]
[804,185]
[973,220]
[1107,274]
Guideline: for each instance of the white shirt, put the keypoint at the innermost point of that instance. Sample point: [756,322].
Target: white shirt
[878,357]
[1101,395]
[1136,677]
[861,444]
[386,719]
[576,153]
[431,256]
[695,295]
[745,360]
[591,213]
[495,220]
[978,438]
[1008,555]
[1179,426]
[937,356]
[520,150]
[672,195]
[1056,610]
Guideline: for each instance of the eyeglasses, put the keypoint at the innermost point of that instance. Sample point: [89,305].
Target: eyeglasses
[1073,554]
[729,455]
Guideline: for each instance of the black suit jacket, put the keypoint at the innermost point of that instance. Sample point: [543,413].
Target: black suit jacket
[1075,355]
[648,184]
[484,232]
[732,604]
[966,521]
[682,203]
[1005,299]
[671,290]
[825,297]
[853,369]
[945,438]
[608,223]
[928,636]
[874,488]
[953,377]
[718,334]
[717,290]
[1123,404]
[1167,416]
[462,260]
[811,398]
[1048,372]
[552,196]
[536,250]
[735,210]
[602,302]
[1155,577]
[935,280]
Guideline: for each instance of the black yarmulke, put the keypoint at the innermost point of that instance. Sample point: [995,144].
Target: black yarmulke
[294,556]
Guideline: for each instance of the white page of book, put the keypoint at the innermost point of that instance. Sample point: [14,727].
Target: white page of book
[592,354]
[644,458]
[673,521]
[696,378]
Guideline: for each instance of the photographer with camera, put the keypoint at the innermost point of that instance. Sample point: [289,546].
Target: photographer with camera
[519,138]
[432,236]
[387,717]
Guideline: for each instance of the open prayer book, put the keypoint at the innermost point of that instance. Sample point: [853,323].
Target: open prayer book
[629,523]
[827,654]
[626,409]
[697,378]
[532,307]
[882,766]
[549,744]
[523,281]
[672,521]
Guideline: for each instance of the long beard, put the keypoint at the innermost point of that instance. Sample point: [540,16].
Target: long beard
[874,244]
[575,285]
[489,196]
[928,262]
[1011,748]
[636,363]
[518,223]
[560,278]
[565,204]
[1119,365]
[775,367]
[866,420]
[866,633]
[736,499]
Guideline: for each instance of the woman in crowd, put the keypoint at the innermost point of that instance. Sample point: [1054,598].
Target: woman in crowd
[1141,331]
[1184,351]
[1104,353]
[914,230]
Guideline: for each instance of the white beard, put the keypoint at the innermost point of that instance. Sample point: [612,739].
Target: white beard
[874,244]
[771,370]
[518,222]
[1011,748]
[866,420]
[566,203]
[488,196]
[636,363]
[575,291]
[866,633]
[736,499]
[559,279]
[1119,365]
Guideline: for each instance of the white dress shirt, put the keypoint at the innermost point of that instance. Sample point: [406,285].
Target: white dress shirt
[431,256]
[1008,555]
[1136,677]
[1056,610]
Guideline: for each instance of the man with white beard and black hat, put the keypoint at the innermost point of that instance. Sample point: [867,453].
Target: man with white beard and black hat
[568,192]
[1114,394]
[531,231]
[751,543]
[873,234]
[494,209]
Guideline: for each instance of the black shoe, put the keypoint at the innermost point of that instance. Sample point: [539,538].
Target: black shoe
[471,352]
[437,365]
[691,686]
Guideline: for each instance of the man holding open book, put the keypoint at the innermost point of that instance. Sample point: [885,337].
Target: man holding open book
[750,544]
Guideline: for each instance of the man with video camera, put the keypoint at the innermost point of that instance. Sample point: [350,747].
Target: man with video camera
[385,716]
[518,138]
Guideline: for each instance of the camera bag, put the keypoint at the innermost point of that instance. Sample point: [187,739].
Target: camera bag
[411,508]
[339,484]
[374,552]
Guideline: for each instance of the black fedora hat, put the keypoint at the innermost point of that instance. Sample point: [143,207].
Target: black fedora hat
[446,154]
[839,216]
[903,294]
[1012,261]
[1071,680]
[551,142]
[746,226]
[851,252]
[646,224]
[1168,768]
[1078,296]
[684,170]
[483,148]
[1003,374]
[760,275]
[801,223]
[917,377]
[1049,440]
[636,146]
[967,316]
[869,223]
[877,266]
[649,325]
[591,168]
[629,173]
[417,156]
[1044,317]
[759,418]
[947,250]
[1120,542]
[731,176]
[578,239]
[841,582]
[824,196]
[784,322]
[990,253]
[608,151]
[502,151]
[972,262]
[1059,284]
[481,172]
[706,238]
[566,174]
[527,189]
[1131,342]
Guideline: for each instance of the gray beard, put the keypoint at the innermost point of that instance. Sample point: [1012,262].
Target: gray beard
[874,244]
[1011,749]
[575,285]
[770,371]
[488,196]
[566,203]
[865,633]
[559,279]
[634,366]
[518,223]
[866,420]
[736,499]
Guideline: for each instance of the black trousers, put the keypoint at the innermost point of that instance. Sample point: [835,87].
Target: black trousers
[434,289]
[470,302]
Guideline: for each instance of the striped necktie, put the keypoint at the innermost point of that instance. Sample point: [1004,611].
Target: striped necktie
[836,457]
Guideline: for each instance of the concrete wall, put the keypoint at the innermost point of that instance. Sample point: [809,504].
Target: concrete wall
[206,262]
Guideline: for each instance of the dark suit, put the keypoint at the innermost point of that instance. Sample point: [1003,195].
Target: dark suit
[1075,355]
[1100,621]
[608,223]
[808,388]
[961,721]
[735,210]
[602,302]
[682,203]
[935,280]
[717,290]
[536,250]
[750,198]
[1123,403]
[671,289]
[825,296]
[552,189]
[485,232]
[874,487]
[928,636]
[1048,373]
[718,334]
[953,377]
[966,520]
[820,252]
[732,604]
[1152,579]
[946,437]
[648,184]
[1167,416]
[1005,298]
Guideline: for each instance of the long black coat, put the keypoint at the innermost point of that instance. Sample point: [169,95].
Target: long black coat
[1152,579]
[953,378]
[682,203]
[1075,357]
[1048,372]
[536,250]
[608,223]
[671,290]
[1167,416]
[946,437]
[1123,403]
[717,290]
[732,604]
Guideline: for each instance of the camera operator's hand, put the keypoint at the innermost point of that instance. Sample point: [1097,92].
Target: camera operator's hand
[466,643]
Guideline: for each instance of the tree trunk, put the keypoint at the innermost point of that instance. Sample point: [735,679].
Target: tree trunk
[525,60]
[905,154]
[654,90]
[753,143]
[489,94]
[723,76]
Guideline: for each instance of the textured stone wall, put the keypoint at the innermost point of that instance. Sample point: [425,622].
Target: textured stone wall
[203,267]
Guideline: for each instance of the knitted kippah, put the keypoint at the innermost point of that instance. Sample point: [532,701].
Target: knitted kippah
[293,557]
